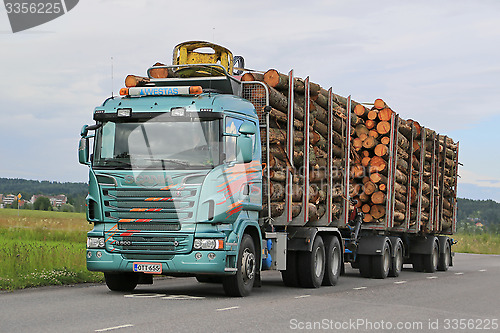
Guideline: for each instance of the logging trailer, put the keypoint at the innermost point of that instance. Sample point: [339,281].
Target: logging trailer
[198,170]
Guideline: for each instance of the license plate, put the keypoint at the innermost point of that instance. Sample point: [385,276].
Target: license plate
[147,267]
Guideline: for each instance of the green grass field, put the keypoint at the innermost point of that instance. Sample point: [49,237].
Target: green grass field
[43,248]
[477,243]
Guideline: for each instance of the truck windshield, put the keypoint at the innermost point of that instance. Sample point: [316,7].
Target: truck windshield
[158,144]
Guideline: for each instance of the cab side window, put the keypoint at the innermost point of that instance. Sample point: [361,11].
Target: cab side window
[232,126]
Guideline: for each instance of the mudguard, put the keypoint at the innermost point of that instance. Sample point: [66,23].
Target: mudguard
[372,245]
[422,244]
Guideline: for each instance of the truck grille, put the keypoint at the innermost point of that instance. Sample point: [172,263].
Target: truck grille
[142,243]
[149,209]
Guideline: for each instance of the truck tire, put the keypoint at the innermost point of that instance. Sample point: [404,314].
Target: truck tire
[397,261]
[241,283]
[417,261]
[121,281]
[290,277]
[209,278]
[431,260]
[381,264]
[365,265]
[311,265]
[333,261]
[445,258]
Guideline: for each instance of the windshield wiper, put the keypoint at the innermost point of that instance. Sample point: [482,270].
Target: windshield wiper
[118,163]
[173,161]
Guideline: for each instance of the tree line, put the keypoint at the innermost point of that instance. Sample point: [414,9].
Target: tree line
[75,192]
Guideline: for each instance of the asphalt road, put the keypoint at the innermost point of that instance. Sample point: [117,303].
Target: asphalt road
[464,299]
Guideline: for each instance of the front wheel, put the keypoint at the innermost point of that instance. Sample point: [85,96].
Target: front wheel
[121,281]
[241,283]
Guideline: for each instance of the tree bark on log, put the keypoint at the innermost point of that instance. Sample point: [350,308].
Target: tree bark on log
[136,81]
[252,76]
[277,191]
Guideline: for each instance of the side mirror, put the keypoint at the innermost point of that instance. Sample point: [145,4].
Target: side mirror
[83,151]
[244,149]
[84,130]
[247,128]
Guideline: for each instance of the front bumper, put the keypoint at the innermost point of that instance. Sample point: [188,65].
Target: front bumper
[224,262]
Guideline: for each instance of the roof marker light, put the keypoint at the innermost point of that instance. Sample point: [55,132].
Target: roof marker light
[123,91]
[195,90]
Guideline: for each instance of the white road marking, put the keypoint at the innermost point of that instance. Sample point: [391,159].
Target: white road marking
[459,273]
[432,277]
[482,270]
[114,328]
[145,295]
[359,288]
[399,282]
[303,296]
[182,297]
[230,308]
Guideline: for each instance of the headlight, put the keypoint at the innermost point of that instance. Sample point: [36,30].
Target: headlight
[95,242]
[208,244]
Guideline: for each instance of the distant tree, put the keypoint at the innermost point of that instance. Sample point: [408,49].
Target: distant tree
[67,208]
[27,205]
[42,203]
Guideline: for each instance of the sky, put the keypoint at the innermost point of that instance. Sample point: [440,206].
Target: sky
[434,61]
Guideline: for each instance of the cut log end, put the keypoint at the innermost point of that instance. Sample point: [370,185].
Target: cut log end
[379,104]
[272,77]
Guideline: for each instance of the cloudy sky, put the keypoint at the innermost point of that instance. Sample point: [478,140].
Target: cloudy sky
[434,61]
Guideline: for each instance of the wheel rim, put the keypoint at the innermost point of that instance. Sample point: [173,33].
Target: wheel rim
[399,259]
[435,257]
[319,262]
[248,265]
[335,261]
[447,256]
[387,261]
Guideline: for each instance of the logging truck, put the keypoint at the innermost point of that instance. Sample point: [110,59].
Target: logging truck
[205,169]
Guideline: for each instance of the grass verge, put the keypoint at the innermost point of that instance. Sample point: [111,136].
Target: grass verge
[43,248]
[477,243]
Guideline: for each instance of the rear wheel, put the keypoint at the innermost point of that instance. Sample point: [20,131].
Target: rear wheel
[121,281]
[241,283]
[312,265]
[445,258]
[397,261]
[365,266]
[381,264]
[290,277]
[431,260]
[333,262]
[417,262]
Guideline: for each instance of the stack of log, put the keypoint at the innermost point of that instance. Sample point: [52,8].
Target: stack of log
[318,138]
[372,140]
[447,150]
[369,169]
